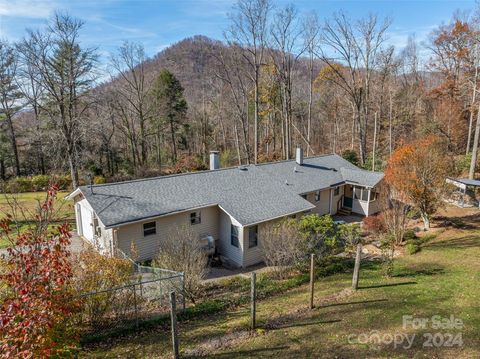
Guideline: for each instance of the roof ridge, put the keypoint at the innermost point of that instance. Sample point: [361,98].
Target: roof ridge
[203,171]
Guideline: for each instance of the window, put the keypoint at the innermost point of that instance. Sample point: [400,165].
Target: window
[361,194]
[234,236]
[149,228]
[336,192]
[317,196]
[253,237]
[365,194]
[195,218]
[357,193]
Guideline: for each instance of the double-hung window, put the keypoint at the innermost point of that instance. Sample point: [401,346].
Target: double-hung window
[252,236]
[336,192]
[317,196]
[195,217]
[234,236]
[149,228]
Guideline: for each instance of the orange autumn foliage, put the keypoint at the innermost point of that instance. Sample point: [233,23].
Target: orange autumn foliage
[417,173]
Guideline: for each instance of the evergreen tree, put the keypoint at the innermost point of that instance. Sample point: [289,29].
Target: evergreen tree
[170,104]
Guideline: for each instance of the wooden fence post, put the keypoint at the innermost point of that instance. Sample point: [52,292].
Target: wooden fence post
[253,295]
[312,278]
[173,316]
[356,269]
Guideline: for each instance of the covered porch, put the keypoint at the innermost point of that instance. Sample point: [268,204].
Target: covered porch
[360,200]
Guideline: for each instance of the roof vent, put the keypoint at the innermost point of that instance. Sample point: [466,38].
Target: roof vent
[243,168]
[295,169]
[286,182]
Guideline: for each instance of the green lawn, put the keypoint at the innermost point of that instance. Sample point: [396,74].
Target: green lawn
[28,203]
[443,279]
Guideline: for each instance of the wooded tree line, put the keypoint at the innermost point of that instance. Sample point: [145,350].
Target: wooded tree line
[277,80]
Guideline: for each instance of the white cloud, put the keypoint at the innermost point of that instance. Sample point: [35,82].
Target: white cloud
[27,8]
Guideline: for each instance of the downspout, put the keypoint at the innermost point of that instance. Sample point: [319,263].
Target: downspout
[114,242]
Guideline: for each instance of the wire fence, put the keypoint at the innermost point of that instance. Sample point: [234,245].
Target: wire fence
[145,297]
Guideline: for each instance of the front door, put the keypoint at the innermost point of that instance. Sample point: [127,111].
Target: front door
[348,198]
[347,202]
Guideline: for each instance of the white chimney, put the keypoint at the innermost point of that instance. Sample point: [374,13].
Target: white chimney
[299,156]
[214,160]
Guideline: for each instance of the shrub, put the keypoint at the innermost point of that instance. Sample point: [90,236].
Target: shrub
[181,251]
[412,248]
[351,156]
[40,182]
[99,180]
[20,184]
[64,182]
[409,235]
[283,246]
[36,312]
[96,272]
[373,224]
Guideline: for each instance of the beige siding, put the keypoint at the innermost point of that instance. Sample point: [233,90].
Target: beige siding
[253,255]
[335,199]
[147,247]
[321,207]
[234,254]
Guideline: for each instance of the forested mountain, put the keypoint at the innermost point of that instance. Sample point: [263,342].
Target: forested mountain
[332,87]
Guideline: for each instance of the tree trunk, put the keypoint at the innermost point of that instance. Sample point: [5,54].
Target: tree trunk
[174,146]
[13,143]
[73,166]
[255,152]
[426,220]
[473,163]
[374,142]
[470,123]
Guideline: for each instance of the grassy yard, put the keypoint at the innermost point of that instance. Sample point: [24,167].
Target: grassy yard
[443,279]
[28,202]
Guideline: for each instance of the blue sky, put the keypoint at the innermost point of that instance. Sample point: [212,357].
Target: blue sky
[159,23]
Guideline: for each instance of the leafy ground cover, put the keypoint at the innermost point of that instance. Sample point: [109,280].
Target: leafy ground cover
[442,279]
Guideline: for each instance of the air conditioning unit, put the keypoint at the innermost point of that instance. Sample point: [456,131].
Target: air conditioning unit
[208,245]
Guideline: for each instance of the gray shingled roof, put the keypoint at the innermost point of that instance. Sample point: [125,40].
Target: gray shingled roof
[255,194]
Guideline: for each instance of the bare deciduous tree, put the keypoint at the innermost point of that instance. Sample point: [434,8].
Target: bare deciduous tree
[283,246]
[249,31]
[65,73]
[181,251]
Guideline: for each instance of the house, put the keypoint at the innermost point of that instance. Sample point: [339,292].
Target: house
[232,205]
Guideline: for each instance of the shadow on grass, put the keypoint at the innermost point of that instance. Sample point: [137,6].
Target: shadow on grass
[351,303]
[240,353]
[306,324]
[462,242]
[386,285]
[426,269]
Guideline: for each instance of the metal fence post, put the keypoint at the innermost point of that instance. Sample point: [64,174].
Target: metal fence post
[173,316]
[253,295]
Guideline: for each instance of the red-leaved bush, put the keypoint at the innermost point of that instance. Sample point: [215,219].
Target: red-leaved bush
[374,224]
[35,311]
